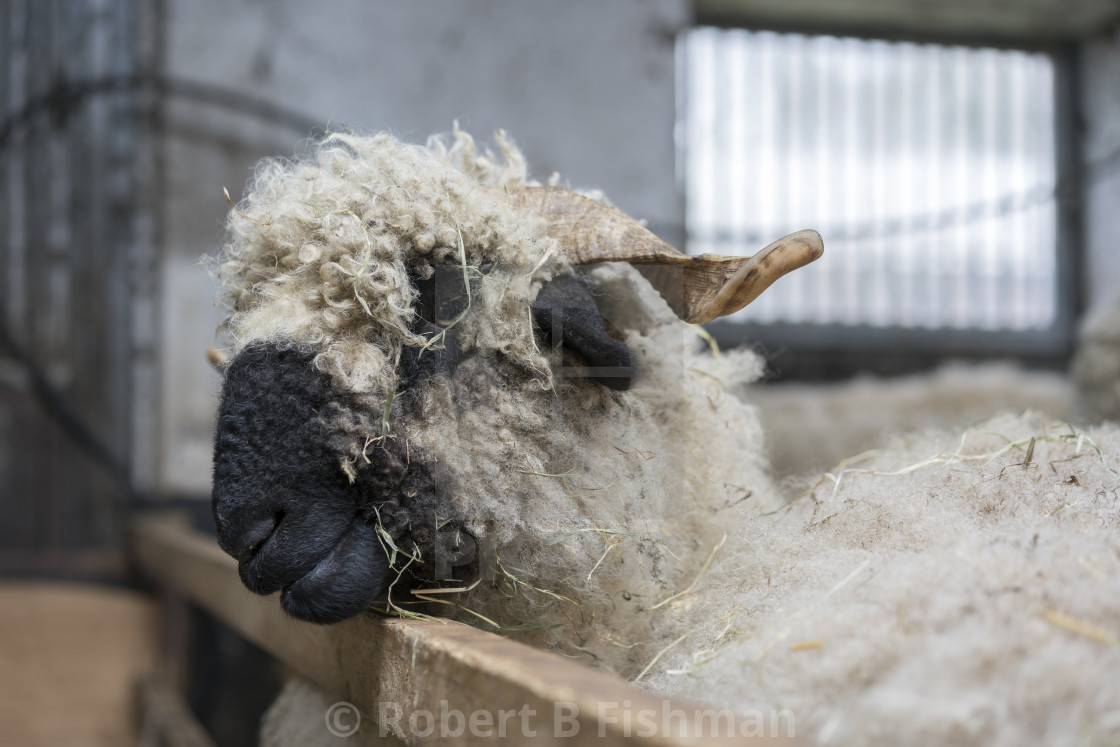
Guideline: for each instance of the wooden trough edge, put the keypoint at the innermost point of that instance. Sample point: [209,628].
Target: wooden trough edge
[409,675]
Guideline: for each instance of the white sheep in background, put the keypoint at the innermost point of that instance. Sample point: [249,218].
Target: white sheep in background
[947,590]
[812,426]
[1096,366]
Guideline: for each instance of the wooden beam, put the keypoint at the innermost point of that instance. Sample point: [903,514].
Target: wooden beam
[405,674]
[84,564]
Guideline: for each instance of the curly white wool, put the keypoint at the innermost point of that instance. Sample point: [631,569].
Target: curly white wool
[320,248]
[599,504]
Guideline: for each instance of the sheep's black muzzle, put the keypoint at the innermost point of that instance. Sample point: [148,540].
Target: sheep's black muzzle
[283,506]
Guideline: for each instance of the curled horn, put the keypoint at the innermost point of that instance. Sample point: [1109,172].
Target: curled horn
[698,288]
[217,358]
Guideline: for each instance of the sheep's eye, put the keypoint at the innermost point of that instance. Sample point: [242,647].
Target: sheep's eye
[443,296]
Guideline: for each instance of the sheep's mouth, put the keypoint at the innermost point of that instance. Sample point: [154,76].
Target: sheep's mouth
[343,583]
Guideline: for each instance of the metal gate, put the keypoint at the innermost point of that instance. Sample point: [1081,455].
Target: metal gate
[79,251]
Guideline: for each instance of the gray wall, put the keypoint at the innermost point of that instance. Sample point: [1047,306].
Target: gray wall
[586,88]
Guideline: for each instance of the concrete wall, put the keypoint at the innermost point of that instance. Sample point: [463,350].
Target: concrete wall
[585,88]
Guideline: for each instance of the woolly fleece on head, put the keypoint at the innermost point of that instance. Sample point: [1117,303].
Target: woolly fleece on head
[321,247]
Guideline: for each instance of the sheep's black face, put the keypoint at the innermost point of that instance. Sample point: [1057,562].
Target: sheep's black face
[295,520]
[282,505]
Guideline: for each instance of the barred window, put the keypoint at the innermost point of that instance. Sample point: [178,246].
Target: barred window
[928,169]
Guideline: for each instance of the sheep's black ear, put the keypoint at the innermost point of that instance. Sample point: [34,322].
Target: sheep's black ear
[566,315]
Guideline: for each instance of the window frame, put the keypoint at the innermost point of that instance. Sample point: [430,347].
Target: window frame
[829,351]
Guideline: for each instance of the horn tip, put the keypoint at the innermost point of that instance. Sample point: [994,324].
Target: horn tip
[217,358]
[812,241]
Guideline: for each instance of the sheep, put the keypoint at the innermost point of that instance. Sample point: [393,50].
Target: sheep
[951,588]
[1096,365]
[811,426]
[392,311]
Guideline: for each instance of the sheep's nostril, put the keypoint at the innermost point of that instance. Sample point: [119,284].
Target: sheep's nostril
[253,549]
[254,536]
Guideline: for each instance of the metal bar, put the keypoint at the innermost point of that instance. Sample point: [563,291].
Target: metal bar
[1028,345]
[392,668]
[75,92]
[1015,26]
[1071,285]
[145,251]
